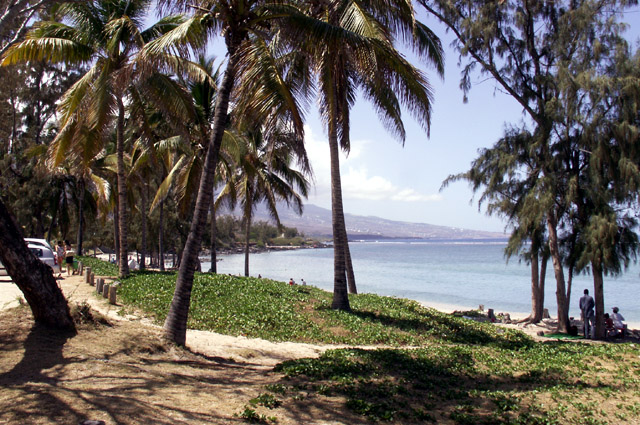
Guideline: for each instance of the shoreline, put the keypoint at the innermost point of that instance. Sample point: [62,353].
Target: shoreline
[440,306]
[515,316]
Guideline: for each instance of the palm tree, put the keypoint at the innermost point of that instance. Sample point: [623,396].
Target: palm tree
[108,35]
[351,48]
[243,24]
[264,174]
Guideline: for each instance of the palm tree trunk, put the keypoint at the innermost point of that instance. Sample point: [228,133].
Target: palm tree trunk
[598,295]
[351,278]
[33,277]
[247,236]
[214,267]
[143,213]
[161,238]
[175,326]
[563,312]
[122,192]
[80,235]
[116,232]
[340,295]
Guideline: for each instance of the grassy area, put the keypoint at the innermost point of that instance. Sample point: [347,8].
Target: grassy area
[456,370]
[546,383]
[99,267]
[276,311]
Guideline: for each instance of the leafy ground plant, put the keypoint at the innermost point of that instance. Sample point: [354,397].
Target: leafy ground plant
[276,311]
[99,267]
[464,384]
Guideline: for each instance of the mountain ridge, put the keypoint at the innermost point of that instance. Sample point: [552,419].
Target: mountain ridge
[316,221]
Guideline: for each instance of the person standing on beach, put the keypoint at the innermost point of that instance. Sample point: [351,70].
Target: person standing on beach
[588,315]
[60,253]
[68,256]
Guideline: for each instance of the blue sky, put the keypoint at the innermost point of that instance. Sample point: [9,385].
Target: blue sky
[381,178]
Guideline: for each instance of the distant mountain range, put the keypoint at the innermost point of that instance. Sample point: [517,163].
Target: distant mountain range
[316,221]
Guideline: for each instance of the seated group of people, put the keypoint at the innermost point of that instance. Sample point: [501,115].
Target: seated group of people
[615,323]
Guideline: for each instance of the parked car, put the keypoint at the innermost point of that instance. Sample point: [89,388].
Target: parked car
[44,254]
[41,249]
[36,241]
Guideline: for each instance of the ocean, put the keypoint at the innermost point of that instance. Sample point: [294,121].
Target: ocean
[447,275]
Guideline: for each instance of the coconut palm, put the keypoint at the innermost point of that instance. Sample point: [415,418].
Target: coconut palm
[243,24]
[264,173]
[108,35]
[350,47]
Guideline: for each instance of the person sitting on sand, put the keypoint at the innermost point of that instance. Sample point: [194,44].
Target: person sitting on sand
[618,321]
[608,325]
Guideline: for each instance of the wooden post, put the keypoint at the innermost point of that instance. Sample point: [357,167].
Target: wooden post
[112,294]
[92,279]
[545,313]
[99,285]
[105,290]
[87,275]
[80,267]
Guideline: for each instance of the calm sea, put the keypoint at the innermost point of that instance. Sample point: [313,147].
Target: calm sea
[464,274]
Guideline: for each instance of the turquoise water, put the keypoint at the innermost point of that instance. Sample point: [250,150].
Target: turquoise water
[454,273]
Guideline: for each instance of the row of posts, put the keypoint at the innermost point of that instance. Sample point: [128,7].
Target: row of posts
[105,289]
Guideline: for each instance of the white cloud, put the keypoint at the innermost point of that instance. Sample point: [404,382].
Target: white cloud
[356,182]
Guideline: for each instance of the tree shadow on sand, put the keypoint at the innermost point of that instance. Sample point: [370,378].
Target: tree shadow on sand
[112,374]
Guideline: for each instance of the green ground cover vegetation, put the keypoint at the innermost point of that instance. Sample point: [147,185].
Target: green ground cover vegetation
[431,367]
[99,267]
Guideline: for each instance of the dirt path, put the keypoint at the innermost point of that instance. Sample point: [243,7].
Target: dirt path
[122,373]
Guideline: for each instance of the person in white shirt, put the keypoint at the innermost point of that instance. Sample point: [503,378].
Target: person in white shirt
[618,320]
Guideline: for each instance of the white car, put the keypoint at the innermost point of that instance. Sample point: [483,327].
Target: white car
[42,242]
[41,249]
[43,253]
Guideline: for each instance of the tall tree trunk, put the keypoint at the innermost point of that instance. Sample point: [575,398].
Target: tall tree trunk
[543,277]
[598,295]
[538,274]
[567,299]
[143,216]
[33,277]
[175,326]
[116,232]
[161,238]
[535,288]
[80,235]
[214,266]
[247,236]
[248,207]
[563,312]
[122,191]
[340,295]
[351,278]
